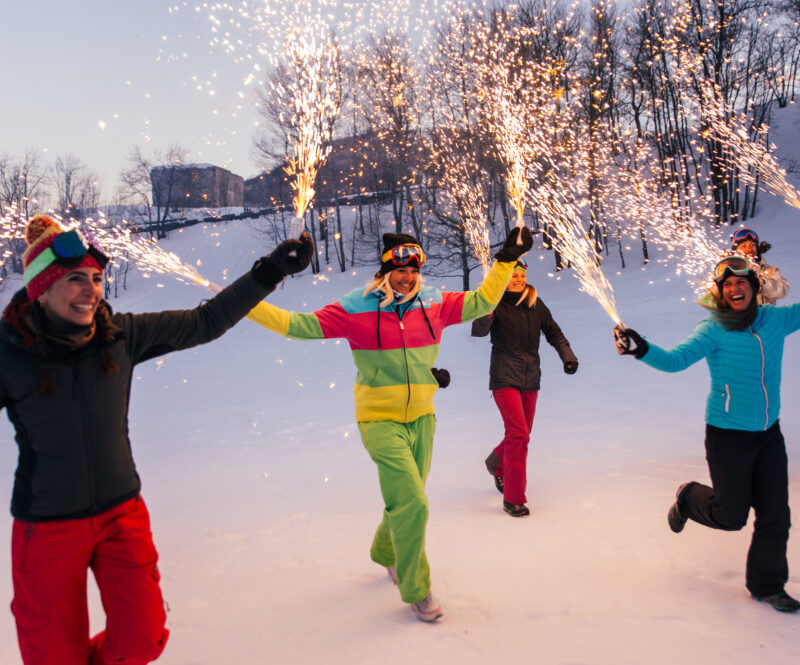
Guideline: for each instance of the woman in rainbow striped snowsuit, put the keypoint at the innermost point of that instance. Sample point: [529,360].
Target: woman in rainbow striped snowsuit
[394,328]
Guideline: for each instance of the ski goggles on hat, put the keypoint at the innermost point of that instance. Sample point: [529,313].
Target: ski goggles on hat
[68,250]
[732,265]
[402,255]
[745,234]
[521,264]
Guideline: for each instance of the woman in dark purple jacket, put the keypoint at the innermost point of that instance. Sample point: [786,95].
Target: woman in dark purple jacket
[514,373]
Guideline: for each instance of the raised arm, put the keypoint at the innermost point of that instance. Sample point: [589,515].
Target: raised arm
[468,305]
[773,285]
[330,321]
[698,345]
[154,334]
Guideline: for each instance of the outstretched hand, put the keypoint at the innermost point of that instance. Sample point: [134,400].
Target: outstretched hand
[629,342]
[511,251]
[293,255]
[288,258]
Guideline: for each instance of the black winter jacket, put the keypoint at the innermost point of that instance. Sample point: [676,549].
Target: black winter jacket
[515,332]
[74,453]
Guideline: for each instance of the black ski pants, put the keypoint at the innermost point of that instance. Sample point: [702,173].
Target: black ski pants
[747,469]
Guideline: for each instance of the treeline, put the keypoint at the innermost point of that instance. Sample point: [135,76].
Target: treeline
[638,88]
[617,106]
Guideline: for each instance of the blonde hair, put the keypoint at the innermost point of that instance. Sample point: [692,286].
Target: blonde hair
[528,296]
[381,283]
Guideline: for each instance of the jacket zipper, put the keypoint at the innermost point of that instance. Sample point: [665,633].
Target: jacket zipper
[763,384]
[78,395]
[727,398]
[408,374]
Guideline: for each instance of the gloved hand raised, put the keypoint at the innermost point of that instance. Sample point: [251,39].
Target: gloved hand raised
[629,342]
[511,251]
[571,366]
[288,258]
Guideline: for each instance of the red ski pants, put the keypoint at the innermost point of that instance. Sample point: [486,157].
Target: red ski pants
[517,408]
[49,561]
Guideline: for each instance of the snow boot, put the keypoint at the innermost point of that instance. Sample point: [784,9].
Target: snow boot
[427,609]
[492,462]
[516,509]
[675,518]
[781,601]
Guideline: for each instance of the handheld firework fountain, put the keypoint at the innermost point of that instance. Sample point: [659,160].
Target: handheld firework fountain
[311,95]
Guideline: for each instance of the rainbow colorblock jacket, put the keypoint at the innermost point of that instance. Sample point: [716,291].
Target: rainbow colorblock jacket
[394,347]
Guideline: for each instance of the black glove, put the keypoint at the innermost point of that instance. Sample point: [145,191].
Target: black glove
[511,251]
[288,258]
[571,366]
[629,342]
[442,377]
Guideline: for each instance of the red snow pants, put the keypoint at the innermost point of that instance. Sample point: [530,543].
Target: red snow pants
[517,408]
[49,561]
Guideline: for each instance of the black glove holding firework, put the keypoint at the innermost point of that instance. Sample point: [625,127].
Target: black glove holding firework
[442,377]
[511,251]
[571,366]
[629,342]
[288,258]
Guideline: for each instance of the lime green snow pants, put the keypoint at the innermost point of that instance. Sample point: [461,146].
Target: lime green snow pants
[402,452]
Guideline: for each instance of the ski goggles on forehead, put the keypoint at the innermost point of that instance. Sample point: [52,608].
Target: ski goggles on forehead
[745,234]
[402,255]
[521,264]
[733,265]
[69,249]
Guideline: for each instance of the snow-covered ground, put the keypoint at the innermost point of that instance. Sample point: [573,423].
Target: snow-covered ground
[264,502]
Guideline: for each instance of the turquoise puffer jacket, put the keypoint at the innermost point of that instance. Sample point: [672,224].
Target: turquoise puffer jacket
[745,366]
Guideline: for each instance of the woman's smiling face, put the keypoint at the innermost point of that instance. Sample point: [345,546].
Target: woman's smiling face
[737,293]
[403,279]
[74,297]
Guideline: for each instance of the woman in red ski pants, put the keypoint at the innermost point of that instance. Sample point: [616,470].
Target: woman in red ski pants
[516,326]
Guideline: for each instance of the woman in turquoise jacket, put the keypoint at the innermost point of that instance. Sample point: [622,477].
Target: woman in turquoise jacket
[743,345]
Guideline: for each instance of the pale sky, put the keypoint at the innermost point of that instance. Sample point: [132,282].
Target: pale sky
[69,66]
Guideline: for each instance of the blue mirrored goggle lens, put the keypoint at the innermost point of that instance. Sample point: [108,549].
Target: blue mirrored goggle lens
[745,234]
[70,245]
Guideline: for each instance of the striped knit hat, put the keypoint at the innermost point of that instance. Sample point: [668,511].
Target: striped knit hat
[40,233]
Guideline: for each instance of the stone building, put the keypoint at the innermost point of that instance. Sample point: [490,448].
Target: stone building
[196,186]
[356,165]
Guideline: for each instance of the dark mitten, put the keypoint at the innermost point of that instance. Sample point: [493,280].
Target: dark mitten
[288,258]
[442,377]
[629,342]
[511,251]
[571,366]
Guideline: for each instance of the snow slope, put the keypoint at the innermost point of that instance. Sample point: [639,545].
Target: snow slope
[264,502]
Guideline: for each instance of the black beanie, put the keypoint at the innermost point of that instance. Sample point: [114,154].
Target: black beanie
[393,240]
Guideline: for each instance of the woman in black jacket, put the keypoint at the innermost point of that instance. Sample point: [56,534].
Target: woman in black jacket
[514,376]
[66,363]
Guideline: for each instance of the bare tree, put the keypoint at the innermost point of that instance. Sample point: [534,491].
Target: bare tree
[154,199]
[387,94]
[78,188]
[23,181]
